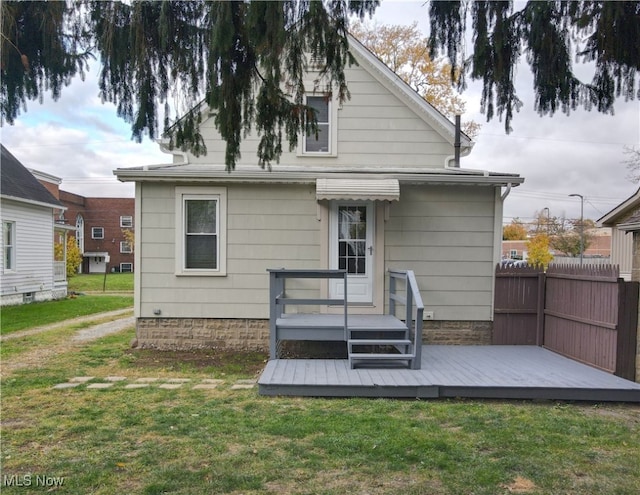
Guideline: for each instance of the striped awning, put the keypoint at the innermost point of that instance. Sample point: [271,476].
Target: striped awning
[358,189]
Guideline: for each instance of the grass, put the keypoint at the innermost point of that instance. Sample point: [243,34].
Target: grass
[94,282]
[25,316]
[185,441]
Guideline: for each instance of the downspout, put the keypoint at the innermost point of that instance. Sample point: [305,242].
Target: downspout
[506,193]
[456,144]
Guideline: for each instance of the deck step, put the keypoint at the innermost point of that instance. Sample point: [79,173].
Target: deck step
[378,329]
[379,342]
[380,357]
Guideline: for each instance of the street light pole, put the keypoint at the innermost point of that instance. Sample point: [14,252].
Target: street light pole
[581,224]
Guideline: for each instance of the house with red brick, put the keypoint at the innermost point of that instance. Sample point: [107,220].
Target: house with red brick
[100,226]
[100,231]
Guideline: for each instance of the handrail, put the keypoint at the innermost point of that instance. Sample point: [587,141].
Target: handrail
[278,299]
[411,299]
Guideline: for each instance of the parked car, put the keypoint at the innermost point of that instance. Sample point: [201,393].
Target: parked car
[509,263]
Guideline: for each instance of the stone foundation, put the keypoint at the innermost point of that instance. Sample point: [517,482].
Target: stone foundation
[195,333]
[253,335]
[457,332]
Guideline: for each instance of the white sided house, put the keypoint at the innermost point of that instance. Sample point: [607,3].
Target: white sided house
[29,270]
[378,190]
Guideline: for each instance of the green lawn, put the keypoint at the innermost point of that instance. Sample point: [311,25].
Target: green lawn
[14,318]
[94,282]
[186,441]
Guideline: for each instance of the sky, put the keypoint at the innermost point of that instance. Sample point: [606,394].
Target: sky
[81,140]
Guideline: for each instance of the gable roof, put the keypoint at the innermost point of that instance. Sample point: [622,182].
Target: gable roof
[394,83]
[19,184]
[617,214]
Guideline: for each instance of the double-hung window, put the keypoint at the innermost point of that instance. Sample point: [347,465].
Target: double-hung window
[9,245]
[201,243]
[319,142]
[97,232]
[126,221]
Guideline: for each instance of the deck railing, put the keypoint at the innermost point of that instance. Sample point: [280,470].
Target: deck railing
[414,307]
[278,299]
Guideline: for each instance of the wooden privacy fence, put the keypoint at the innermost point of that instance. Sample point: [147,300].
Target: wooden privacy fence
[586,313]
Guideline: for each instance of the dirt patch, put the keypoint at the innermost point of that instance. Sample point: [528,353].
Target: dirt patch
[521,485]
[250,363]
[629,414]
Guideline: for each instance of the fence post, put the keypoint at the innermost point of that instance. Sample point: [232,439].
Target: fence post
[541,304]
[626,345]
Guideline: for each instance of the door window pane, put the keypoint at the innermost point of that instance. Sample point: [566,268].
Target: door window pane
[352,239]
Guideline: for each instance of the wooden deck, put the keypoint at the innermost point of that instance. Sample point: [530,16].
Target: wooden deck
[497,372]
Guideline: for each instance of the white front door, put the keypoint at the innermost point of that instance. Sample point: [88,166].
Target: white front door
[351,248]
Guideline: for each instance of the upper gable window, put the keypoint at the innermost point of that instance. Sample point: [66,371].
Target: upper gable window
[319,143]
[323,142]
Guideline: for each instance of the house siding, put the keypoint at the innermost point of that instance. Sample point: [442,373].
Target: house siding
[622,251]
[33,253]
[445,235]
[375,129]
[267,227]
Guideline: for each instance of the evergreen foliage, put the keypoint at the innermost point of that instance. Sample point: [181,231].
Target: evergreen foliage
[550,34]
[246,61]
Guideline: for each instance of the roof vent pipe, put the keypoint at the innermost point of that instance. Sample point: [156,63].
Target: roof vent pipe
[456,144]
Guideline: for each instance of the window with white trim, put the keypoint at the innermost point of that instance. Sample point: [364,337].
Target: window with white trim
[126,267]
[125,247]
[97,232]
[9,246]
[325,143]
[201,232]
[319,142]
[80,232]
[126,221]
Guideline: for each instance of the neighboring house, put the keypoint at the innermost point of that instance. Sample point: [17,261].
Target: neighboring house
[99,224]
[624,220]
[599,248]
[376,190]
[29,231]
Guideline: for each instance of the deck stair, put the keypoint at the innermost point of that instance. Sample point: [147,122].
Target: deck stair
[373,340]
[382,346]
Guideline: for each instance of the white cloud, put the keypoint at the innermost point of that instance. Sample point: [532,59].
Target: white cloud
[82,140]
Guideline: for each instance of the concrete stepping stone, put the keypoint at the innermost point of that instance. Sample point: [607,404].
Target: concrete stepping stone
[147,379]
[136,385]
[100,385]
[242,386]
[81,379]
[205,386]
[215,381]
[170,386]
[115,378]
[178,380]
[67,385]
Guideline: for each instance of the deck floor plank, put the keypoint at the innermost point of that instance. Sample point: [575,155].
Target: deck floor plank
[456,371]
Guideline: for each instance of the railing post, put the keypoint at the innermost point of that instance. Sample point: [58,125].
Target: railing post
[273,315]
[409,305]
[392,292]
[346,326]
